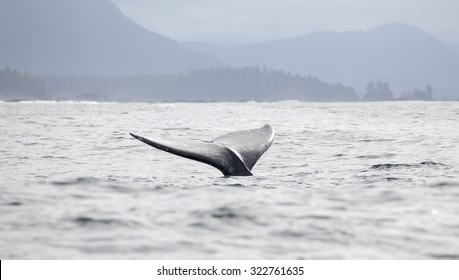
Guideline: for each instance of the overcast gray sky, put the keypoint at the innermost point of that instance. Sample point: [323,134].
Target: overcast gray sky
[245,21]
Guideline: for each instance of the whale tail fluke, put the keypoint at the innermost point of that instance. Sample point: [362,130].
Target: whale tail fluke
[234,153]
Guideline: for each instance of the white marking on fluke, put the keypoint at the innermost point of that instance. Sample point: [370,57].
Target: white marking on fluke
[234,153]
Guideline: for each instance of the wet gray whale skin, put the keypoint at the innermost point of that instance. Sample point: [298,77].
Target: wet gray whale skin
[234,153]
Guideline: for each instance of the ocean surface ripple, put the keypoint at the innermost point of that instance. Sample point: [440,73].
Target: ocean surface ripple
[341,181]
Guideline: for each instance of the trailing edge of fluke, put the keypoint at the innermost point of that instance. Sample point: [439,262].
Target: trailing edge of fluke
[234,153]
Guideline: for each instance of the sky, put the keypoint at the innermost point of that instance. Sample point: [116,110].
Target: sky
[249,21]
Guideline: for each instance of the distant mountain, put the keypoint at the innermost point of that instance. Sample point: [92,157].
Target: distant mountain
[86,37]
[401,54]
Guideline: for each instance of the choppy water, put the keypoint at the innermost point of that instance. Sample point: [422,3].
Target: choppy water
[342,180]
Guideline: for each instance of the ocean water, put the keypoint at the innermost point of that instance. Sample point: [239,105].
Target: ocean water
[341,181]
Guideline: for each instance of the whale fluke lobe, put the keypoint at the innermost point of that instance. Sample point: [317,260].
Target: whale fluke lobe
[234,153]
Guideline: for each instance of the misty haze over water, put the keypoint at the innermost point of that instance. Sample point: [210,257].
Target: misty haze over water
[94,38]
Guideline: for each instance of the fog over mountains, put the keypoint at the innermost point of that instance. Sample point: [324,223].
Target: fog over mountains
[86,37]
[401,54]
[92,37]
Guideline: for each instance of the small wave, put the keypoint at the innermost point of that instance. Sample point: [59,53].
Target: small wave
[79,180]
[375,140]
[289,234]
[14,203]
[198,225]
[176,128]
[390,179]
[123,189]
[31,144]
[405,165]
[235,185]
[53,157]
[432,163]
[90,221]
[318,217]
[374,156]
[225,213]
[391,165]
[445,256]
[445,185]
[110,184]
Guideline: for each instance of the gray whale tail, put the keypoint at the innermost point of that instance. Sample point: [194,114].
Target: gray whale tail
[234,153]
